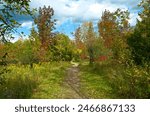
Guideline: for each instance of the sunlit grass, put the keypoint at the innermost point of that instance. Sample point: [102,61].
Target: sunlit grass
[42,81]
[47,81]
[105,80]
[51,79]
[95,84]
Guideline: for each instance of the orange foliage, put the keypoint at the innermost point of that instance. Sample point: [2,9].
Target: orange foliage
[101,58]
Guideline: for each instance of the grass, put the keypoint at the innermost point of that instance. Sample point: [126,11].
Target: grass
[19,82]
[47,81]
[51,81]
[43,81]
[95,83]
[106,80]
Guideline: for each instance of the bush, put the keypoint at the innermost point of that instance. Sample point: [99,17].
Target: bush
[132,83]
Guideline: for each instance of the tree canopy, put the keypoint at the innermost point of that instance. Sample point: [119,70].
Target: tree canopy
[8,23]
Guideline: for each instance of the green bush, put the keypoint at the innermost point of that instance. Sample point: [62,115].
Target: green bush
[132,83]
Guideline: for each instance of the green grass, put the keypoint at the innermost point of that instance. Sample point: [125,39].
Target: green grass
[47,81]
[51,81]
[106,80]
[19,82]
[43,81]
[50,78]
[95,82]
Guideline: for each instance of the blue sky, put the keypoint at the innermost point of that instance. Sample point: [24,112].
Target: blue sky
[72,13]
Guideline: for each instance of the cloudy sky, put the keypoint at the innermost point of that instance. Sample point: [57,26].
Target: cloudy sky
[71,13]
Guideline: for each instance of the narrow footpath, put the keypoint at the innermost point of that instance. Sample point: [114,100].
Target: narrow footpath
[72,80]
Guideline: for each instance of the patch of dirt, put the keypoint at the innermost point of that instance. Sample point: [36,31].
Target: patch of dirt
[73,82]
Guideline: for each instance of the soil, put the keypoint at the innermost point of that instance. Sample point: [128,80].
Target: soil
[73,82]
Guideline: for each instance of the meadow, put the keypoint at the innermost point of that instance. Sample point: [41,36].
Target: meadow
[43,81]
[100,81]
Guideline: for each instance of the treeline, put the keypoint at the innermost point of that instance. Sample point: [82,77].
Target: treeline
[115,39]
[30,51]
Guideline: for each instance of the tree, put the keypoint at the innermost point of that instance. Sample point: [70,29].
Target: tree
[62,49]
[120,50]
[33,34]
[87,37]
[79,43]
[139,41]
[78,37]
[8,23]
[107,27]
[112,25]
[114,28]
[45,25]
[34,41]
[90,38]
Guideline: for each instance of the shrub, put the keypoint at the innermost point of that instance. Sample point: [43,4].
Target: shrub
[132,83]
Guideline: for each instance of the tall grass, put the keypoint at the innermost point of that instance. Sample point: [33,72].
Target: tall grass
[20,82]
[132,83]
[106,80]
[51,80]
[94,81]
[42,81]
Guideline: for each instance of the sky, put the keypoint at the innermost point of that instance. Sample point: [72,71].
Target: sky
[72,13]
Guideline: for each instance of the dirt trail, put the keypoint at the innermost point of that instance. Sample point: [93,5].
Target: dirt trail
[73,82]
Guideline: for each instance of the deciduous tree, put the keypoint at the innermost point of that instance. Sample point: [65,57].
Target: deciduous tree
[8,23]
[45,25]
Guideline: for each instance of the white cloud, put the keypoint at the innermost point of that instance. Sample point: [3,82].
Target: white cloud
[27,24]
[133,18]
[81,10]
[84,10]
